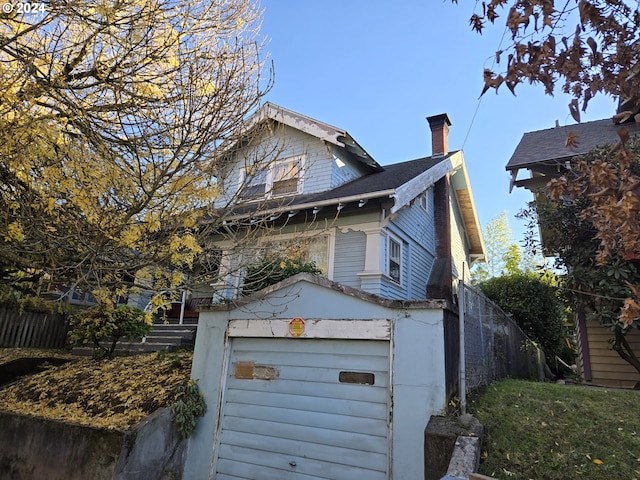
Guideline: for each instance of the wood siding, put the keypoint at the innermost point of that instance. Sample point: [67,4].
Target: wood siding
[350,170]
[459,244]
[607,368]
[288,408]
[416,228]
[321,172]
[349,257]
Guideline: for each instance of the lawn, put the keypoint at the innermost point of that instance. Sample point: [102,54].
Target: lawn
[551,431]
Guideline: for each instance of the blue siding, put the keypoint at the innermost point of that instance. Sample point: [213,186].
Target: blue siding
[349,257]
[345,172]
[325,428]
[321,171]
[416,228]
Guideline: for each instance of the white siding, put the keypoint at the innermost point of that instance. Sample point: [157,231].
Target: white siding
[459,245]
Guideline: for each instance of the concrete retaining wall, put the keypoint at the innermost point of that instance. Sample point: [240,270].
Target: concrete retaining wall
[33,448]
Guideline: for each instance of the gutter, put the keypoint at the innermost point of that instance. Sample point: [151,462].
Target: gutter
[323,203]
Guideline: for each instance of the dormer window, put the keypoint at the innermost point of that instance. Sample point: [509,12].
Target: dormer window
[286,177]
[255,186]
[278,179]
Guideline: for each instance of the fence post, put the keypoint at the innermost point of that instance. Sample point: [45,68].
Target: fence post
[463,358]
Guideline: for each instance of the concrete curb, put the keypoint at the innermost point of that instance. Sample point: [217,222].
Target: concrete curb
[465,458]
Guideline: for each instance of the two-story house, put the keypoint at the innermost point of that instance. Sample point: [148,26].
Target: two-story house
[407,230]
[332,377]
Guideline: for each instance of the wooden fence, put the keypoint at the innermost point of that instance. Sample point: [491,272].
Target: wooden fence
[32,329]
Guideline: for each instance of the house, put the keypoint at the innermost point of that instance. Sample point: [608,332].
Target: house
[331,376]
[309,378]
[540,156]
[305,188]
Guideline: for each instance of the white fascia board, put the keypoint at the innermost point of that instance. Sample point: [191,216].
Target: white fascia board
[414,187]
[315,128]
[351,329]
[305,124]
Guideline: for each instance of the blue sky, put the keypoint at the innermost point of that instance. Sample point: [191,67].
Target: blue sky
[378,70]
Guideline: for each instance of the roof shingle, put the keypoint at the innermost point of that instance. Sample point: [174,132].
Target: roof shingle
[550,144]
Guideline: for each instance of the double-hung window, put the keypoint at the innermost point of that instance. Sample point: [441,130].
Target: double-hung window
[254,185]
[275,180]
[395,260]
[286,177]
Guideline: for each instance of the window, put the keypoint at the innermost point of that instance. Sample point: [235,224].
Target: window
[395,260]
[281,178]
[286,176]
[255,185]
[424,201]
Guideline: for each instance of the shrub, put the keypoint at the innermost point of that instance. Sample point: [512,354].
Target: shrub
[103,326]
[273,269]
[534,306]
[188,408]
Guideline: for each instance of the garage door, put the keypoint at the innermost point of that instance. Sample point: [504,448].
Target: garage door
[304,409]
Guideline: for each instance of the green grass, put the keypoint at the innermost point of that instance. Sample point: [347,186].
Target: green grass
[550,431]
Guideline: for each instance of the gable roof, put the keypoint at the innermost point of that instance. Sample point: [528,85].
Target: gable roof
[550,144]
[311,126]
[391,181]
[399,183]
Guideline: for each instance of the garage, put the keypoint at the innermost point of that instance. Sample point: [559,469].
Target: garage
[309,379]
[304,409]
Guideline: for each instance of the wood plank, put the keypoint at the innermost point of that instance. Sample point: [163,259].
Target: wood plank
[314,328]
[365,442]
[363,393]
[369,347]
[314,361]
[338,360]
[310,373]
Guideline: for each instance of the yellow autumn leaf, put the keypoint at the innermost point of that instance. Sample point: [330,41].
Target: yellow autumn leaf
[597,461]
[14,232]
[209,88]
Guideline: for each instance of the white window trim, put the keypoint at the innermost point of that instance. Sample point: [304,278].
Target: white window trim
[331,243]
[424,197]
[269,180]
[393,238]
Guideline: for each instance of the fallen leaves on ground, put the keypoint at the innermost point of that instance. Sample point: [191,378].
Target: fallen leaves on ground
[110,393]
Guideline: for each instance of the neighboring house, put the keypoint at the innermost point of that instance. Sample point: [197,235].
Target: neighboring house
[545,155]
[402,231]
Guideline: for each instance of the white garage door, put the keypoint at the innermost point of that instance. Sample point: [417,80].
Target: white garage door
[305,409]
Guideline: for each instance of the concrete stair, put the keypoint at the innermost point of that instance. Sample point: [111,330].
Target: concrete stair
[162,337]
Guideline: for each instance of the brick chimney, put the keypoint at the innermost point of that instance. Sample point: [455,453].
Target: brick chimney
[439,125]
[440,280]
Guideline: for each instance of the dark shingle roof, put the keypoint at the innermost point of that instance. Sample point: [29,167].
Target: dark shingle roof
[392,177]
[549,144]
